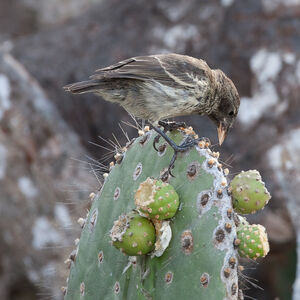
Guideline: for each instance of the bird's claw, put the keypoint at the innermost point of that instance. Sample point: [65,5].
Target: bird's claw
[155,141]
[168,126]
[188,143]
[172,163]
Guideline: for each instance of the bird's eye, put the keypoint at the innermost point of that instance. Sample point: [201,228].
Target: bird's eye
[230,113]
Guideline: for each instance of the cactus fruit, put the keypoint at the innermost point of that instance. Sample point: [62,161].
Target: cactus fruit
[249,193]
[156,199]
[196,253]
[133,234]
[254,240]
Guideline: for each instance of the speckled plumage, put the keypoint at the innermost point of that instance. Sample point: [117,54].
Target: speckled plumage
[162,86]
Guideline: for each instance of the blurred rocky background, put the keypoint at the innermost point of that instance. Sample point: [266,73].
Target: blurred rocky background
[48,158]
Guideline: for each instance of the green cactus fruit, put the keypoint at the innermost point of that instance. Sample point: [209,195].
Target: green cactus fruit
[249,193]
[195,255]
[133,234]
[156,199]
[253,240]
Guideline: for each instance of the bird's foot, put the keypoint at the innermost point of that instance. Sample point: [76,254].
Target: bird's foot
[188,143]
[168,126]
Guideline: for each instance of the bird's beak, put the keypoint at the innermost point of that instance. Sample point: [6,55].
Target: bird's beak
[222,132]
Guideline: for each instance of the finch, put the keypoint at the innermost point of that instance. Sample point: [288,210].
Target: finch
[158,87]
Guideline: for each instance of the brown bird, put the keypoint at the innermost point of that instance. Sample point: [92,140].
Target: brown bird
[163,86]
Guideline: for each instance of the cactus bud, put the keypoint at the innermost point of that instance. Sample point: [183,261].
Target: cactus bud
[156,199]
[249,193]
[133,234]
[254,240]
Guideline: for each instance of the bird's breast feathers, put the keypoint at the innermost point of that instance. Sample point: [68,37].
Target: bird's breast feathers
[170,101]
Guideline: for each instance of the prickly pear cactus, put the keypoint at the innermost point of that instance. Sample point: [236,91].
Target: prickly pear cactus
[198,256]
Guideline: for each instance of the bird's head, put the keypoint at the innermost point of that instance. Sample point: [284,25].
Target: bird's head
[226,110]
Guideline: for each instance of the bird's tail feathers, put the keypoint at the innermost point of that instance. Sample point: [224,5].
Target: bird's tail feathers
[83,86]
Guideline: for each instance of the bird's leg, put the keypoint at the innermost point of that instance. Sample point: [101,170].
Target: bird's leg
[168,126]
[184,146]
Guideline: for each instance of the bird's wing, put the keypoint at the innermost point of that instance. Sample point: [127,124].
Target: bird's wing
[169,69]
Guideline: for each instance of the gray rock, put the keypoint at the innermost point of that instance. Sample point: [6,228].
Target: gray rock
[42,189]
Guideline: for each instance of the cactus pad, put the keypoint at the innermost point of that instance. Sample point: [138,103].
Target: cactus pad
[156,199]
[133,234]
[254,240]
[197,257]
[249,193]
